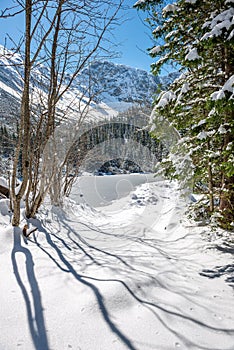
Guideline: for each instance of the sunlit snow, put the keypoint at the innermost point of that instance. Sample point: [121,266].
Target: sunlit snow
[132,274]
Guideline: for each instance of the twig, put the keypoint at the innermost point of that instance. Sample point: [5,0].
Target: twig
[25,228]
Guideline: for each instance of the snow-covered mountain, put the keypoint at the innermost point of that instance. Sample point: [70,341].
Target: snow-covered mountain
[115,87]
[117,83]
[10,84]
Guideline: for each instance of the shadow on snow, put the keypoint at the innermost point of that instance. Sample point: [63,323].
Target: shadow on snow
[101,258]
[34,309]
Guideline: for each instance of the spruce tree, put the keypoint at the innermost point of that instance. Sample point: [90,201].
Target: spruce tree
[198,37]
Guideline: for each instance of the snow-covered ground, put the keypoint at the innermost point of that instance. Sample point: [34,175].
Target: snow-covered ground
[133,273]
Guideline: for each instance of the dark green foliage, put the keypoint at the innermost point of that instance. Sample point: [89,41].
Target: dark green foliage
[7,141]
[198,37]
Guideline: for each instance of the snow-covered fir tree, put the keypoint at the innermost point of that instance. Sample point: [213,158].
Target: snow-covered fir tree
[198,36]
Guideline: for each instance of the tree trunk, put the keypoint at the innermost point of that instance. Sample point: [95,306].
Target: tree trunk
[211,190]
[16,216]
[25,122]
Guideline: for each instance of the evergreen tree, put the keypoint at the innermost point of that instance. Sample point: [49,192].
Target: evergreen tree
[198,36]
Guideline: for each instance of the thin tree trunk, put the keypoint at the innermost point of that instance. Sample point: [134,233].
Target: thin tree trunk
[210,181]
[211,189]
[25,122]
[16,216]
[227,186]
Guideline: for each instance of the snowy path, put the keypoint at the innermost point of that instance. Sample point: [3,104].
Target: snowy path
[122,276]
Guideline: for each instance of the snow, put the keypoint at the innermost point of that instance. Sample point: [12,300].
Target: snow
[202,135]
[231,35]
[131,274]
[217,95]
[155,50]
[201,122]
[3,181]
[220,23]
[228,86]
[192,55]
[229,146]
[190,1]
[9,90]
[169,8]
[4,208]
[172,33]
[139,2]
[116,89]
[184,89]
[222,130]
[165,98]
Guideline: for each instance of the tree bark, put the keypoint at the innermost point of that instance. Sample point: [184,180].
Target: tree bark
[25,121]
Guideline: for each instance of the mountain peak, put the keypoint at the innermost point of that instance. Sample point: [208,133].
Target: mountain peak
[114,86]
[113,82]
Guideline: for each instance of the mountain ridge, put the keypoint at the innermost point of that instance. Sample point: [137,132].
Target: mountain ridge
[115,87]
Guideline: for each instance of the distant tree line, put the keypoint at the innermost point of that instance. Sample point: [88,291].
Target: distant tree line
[7,141]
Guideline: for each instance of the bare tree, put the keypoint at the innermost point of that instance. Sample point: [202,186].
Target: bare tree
[60,39]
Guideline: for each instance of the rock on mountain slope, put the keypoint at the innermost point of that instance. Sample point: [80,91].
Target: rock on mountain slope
[115,87]
[120,83]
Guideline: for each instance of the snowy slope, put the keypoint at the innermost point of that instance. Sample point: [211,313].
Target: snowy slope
[116,87]
[119,83]
[128,275]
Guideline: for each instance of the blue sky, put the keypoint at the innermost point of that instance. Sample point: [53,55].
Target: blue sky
[132,35]
[134,38]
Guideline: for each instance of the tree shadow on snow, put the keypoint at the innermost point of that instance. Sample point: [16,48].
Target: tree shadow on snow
[218,271]
[93,255]
[83,279]
[34,308]
[226,271]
